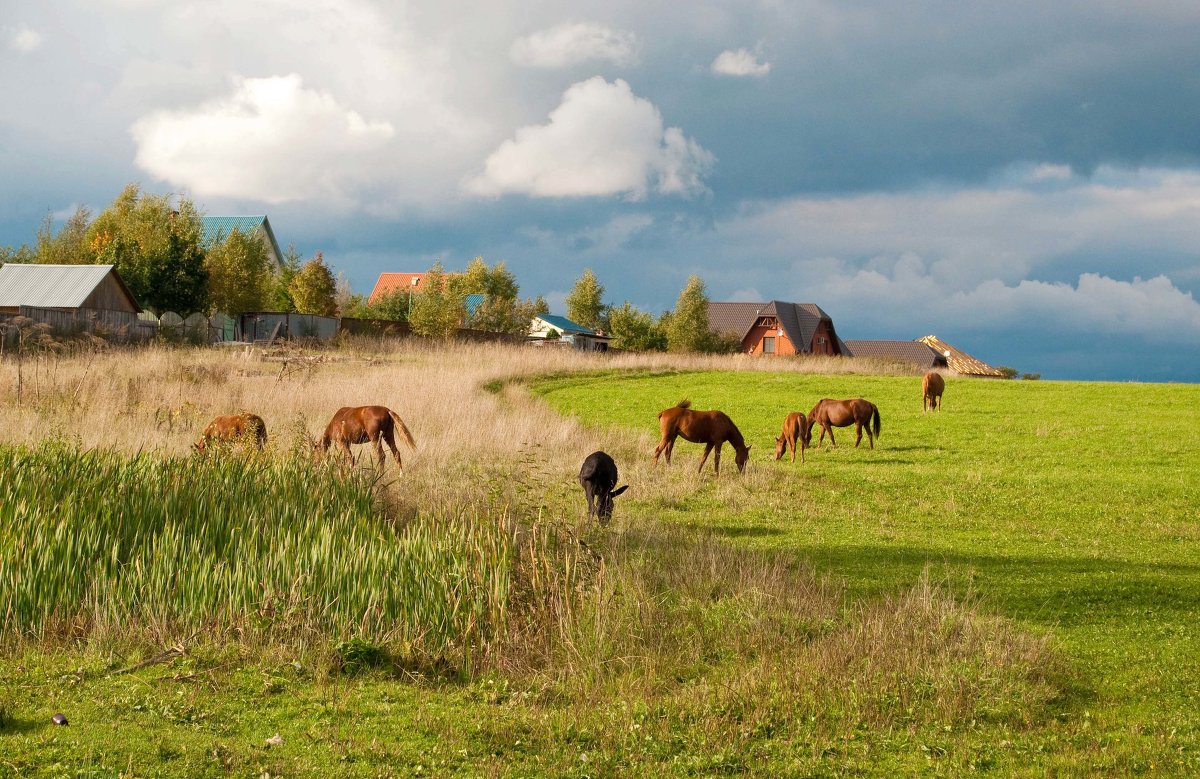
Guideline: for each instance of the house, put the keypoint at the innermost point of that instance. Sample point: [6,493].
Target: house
[959,361]
[217,228]
[777,327]
[391,283]
[549,328]
[913,352]
[69,297]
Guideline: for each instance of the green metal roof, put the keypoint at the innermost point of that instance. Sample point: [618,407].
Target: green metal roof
[219,227]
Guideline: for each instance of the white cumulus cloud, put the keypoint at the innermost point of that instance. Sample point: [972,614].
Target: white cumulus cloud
[269,139]
[601,140]
[572,44]
[739,62]
[24,39]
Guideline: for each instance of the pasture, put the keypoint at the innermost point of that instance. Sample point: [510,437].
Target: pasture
[1007,586]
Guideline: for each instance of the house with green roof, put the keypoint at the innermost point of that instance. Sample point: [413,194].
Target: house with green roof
[217,228]
[548,328]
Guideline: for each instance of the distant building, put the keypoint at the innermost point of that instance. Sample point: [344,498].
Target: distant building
[916,353]
[777,328]
[391,283]
[217,228]
[545,327]
[960,361]
[65,288]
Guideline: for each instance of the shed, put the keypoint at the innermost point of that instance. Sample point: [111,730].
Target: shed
[64,287]
[913,352]
[777,327]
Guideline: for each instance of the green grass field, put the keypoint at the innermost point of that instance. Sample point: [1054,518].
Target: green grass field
[1072,508]
[1009,587]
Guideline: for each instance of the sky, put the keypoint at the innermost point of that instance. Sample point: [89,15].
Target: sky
[1021,179]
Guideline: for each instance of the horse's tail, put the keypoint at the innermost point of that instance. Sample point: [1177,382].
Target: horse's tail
[875,418]
[404,430]
[685,403]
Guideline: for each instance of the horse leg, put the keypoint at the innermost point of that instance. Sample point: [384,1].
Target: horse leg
[707,448]
[717,459]
[390,438]
[663,446]
[791,441]
[858,426]
[832,443]
[346,448]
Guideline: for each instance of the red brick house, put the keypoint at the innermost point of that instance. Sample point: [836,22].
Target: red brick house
[777,328]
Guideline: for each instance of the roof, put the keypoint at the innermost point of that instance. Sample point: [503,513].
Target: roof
[915,352]
[566,325]
[54,286]
[218,227]
[798,320]
[960,361]
[391,283]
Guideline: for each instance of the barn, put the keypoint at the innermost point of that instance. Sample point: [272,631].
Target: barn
[777,328]
[915,353]
[69,297]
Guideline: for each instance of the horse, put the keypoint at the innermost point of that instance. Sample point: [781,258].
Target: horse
[843,413]
[362,424]
[712,428]
[932,387]
[233,427]
[795,435]
[598,476]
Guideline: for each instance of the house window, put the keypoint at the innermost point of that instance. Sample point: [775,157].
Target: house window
[769,344]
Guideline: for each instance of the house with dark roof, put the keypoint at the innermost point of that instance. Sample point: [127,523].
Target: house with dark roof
[548,328]
[777,328]
[960,362]
[218,228]
[915,353]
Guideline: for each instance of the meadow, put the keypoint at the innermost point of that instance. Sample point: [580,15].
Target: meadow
[1007,587]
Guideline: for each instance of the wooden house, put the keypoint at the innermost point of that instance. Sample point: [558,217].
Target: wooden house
[548,328]
[777,328]
[69,297]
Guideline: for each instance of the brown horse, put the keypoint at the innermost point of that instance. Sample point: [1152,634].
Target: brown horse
[711,428]
[233,427]
[795,435]
[360,424]
[932,387]
[843,413]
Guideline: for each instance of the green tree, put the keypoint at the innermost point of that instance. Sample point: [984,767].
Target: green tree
[501,311]
[156,247]
[585,302]
[314,289]
[688,330]
[239,274]
[22,254]
[69,246]
[437,311]
[281,292]
[635,330]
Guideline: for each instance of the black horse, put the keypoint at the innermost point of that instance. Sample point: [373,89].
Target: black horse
[598,477]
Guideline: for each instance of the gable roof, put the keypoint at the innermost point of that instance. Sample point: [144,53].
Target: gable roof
[54,286]
[218,227]
[915,352]
[960,361]
[390,283]
[566,325]
[798,320]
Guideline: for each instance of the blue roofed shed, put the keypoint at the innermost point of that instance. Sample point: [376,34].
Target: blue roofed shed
[568,333]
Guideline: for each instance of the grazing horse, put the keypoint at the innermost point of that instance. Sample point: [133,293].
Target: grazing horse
[932,387]
[360,424]
[233,427]
[843,413]
[598,476]
[795,435]
[712,428]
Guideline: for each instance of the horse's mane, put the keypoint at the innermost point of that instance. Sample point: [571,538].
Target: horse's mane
[685,403]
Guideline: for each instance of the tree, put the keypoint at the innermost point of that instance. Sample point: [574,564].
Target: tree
[314,289]
[501,311]
[635,330]
[281,292]
[239,274]
[69,246]
[585,302]
[688,329]
[157,249]
[22,254]
[436,311]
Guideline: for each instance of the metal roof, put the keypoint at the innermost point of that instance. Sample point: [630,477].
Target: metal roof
[219,227]
[913,352]
[53,286]
[565,325]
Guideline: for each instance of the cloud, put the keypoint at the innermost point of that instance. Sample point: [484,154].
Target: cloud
[740,62]
[24,39]
[573,44]
[269,139]
[601,140]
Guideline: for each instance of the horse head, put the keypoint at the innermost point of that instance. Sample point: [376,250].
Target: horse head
[780,447]
[605,509]
[741,457]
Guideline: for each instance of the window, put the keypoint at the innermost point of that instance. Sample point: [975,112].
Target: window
[769,344]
